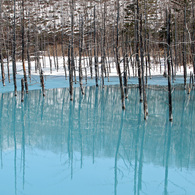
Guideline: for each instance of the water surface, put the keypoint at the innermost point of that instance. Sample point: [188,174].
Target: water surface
[90,146]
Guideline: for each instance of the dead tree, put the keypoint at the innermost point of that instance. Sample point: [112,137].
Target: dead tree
[90,50]
[2,67]
[62,44]
[23,45]
[193,37]
[142,66]
[80,53]
[95,52]
[14,50]
[137,52]
[71,52]
[126,66]
[1,53]
[28,48]
[117,57]
[125,61]
[184,49]
[103,44]
[42,82]
[168,13]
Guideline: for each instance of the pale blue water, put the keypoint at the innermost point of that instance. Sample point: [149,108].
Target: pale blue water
[52,146]
[52,82]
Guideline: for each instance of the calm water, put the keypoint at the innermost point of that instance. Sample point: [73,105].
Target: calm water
[89,146]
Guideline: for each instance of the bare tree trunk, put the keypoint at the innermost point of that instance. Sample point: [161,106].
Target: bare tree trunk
[42,83]
[124,51]
[126,66]
[6,45]
[104,39]
[71,52]
[137,53]
[56,48]
[80,53]
[172,66]
[131,59]
[2,68]
[168,63]
[176,61]
[193,38]
[28,49]
[37,60]
[146,43]
[63,55]
[1,42]
[23,58]
[95,52]
[142,66]
[117,58]
[8,72]
[90,51]
[103,45]
[184,49]
[102,59]
[14,50]
[165,63]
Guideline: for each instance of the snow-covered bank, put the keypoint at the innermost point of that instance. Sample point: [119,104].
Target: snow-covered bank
[56,79]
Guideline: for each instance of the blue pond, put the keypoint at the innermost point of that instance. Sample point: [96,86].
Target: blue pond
[90,146]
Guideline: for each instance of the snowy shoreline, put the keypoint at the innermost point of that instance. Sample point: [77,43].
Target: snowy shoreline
[56,79]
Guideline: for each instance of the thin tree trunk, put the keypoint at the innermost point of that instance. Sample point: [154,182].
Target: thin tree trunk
[2,68]
[14,50]
[42,82]
[23,58]
[172,66]
[142,66]
[1,53]
[184,49]
[63,55]
[28,49]
[102,59]
[71,52]
[176,61]
[8,71]
[193,38]
[165,63]
[126,65]
[6,45]
[168,63]
[56,47]
[137,53]
[117,58]
[95,52]
[124,51]
[145,38]
[104,40]
[90,52]
[80,54]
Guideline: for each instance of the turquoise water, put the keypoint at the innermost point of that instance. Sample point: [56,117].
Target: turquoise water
[90,146]
[52,82]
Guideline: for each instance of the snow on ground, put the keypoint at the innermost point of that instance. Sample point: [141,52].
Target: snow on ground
[56,79]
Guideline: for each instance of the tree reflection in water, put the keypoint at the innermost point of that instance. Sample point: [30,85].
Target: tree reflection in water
[92,136]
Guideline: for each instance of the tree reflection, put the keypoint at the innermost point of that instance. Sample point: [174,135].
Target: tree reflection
[116,153]
[169,127]
[94,127]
